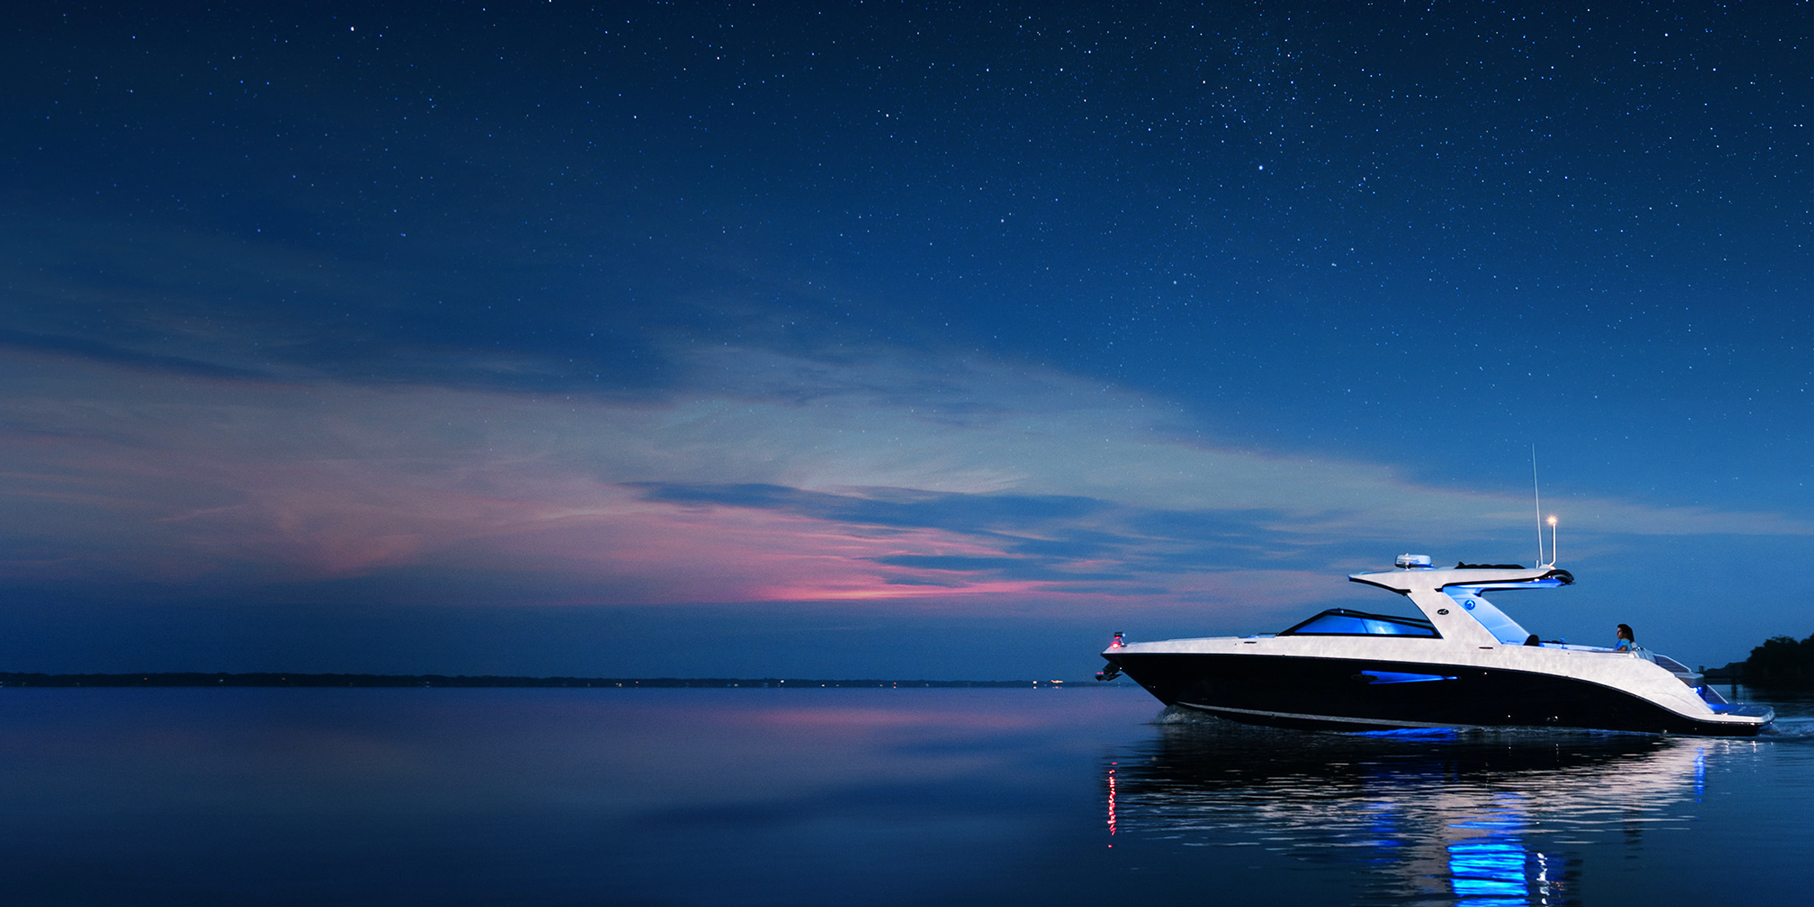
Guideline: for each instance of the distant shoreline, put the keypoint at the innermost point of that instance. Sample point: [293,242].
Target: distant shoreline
[9,679]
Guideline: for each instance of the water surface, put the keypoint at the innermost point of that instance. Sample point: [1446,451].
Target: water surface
[852,796]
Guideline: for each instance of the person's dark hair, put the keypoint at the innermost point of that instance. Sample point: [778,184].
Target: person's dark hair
[1625,631]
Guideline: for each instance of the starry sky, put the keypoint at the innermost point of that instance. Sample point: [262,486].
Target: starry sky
[878,339]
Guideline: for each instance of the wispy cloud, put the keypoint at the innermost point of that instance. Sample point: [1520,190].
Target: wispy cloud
[759,477]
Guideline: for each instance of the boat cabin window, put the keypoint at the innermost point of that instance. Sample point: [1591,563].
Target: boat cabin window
[1343,622]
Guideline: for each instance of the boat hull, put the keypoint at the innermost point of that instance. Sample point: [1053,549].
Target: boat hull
[1363,694]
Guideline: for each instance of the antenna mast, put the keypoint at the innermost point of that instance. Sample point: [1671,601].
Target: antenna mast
[1537,498]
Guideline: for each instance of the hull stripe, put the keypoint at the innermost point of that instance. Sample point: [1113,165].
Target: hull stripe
[1298,716]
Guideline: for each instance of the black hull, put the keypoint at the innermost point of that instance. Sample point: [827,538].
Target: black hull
[1334,693]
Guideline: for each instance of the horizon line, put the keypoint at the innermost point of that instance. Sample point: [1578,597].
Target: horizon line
[296,679]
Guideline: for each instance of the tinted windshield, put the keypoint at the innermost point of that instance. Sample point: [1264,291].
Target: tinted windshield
[1342,622]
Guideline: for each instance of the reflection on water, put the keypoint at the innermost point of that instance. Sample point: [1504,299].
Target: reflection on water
[1481,818]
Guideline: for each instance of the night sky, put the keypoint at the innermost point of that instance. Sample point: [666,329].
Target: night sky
[881,339]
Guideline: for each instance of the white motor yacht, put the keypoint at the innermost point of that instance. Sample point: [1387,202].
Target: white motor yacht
[1464,663]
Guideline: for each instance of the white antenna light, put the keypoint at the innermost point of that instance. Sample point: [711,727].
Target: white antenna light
[1552,540]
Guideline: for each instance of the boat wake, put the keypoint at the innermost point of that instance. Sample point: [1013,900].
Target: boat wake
[1177,714]
[1788,729]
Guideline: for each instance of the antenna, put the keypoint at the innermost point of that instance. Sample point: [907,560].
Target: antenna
[1537,498]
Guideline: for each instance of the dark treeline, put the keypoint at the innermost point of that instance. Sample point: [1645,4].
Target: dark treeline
[438,680]
[1782,661]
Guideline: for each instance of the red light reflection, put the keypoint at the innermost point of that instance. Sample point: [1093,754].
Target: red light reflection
[1112,802]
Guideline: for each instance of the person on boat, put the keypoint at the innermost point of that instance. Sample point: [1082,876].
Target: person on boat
[1627,641]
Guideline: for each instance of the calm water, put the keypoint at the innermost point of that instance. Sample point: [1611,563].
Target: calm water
[860,797]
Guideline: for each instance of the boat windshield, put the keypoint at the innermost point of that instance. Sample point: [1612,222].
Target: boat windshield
[1343,622]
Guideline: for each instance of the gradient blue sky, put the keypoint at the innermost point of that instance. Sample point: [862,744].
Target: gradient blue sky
[882,339]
